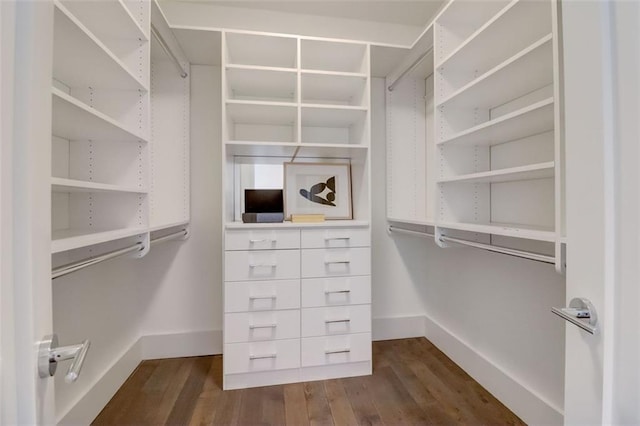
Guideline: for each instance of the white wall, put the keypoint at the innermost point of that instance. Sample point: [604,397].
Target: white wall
[204,14]
[498,306]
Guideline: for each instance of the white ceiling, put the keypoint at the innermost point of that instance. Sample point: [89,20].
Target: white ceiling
[415,13]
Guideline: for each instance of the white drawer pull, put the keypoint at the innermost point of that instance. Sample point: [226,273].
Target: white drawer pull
[330,262]
[263,297]
[336,291]
[260,265]
[264,240]
[339,351]
[336,321]
[336,238]
[253,327]
[252,357]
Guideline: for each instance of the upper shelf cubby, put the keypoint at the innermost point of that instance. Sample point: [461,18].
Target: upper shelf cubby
[247,83]
[82,60]
[320,88]
[337,57]
[261,50]
[461,19]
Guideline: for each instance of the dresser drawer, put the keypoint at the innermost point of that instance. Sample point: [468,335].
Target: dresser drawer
[246,296]
[336,291]
[336,349]
[256,326]
[335,238]
[261,239]
[261,356]
[335,262]
[336,320]
[261,264]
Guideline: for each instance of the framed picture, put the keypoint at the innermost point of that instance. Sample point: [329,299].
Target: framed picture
[318,188]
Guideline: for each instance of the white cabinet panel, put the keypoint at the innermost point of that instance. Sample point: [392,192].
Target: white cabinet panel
[261,295]
[336,291]
[336,349]
[336,320]
[335,238]
[262,239]
[262,264]
[266,325]
[336,262]
[261,356]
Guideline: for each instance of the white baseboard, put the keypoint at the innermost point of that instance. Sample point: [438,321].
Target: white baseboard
[398,327]
[197,343]
[88,406]
[525,403]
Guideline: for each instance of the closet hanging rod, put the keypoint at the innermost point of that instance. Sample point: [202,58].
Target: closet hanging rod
[168,51]
[76,266]
[503,250]
[409,69]
[409,232]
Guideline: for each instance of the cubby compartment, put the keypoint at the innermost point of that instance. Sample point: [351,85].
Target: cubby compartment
[332,89]
[339,57]
[261,122]
[245,83]
[333,125]
[261,50]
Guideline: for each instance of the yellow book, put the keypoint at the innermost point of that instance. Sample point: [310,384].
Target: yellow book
[307,218]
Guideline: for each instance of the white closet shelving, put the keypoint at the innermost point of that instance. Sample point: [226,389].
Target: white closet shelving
[494,165]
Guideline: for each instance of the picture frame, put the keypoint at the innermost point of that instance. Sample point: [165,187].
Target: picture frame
[318,188]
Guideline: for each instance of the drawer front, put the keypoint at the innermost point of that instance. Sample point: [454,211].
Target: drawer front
[335,238]
[261,264]
[261,239]
[336,349]
[261,356]
[335,262]
[336,291]
[256,326]
[336,320]
[248,296]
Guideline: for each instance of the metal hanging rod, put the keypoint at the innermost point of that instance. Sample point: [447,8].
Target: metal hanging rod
[409,69]
[503,250]
[409,232]
[511,252]
[76,266]
[168,51]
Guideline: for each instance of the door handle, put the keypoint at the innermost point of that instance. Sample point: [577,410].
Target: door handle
[50,354]
[580,312]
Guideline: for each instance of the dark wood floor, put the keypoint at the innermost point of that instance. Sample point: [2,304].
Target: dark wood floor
[412,383]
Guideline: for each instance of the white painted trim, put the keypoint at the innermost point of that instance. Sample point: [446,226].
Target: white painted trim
[176,345]
[86,407]
[524,402]
[398,327]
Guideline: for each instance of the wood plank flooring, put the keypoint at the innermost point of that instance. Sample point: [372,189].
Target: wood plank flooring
[413,383]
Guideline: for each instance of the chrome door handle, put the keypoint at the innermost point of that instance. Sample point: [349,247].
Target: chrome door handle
[50,354]
[580,312]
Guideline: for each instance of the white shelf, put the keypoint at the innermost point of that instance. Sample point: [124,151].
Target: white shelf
[497,39]
[72,185]
[422,222]
[107,19]
[503,229]
[75,120]
[245,83]
[318,115]
[168,225]
[531,120]
[262,112]
[334,73]
[82,60]
[530,69]
[261,50]
[70,239]
[334,89]
[513,174]
[299,150]
[287,224]
[324,55]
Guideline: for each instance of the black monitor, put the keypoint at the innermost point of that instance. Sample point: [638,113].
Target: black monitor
[263,201]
